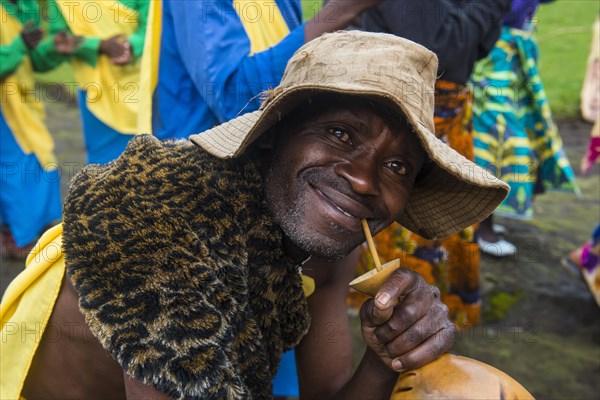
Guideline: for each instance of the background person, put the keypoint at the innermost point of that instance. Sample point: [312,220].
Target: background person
[515,135]
[30,193]
[105,40]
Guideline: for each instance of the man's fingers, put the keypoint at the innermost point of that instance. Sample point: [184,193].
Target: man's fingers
[372,316]
[407,337]
[432,348]
[411,310]
[399,284]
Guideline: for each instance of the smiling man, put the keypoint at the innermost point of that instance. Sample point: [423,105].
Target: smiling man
[189,264]
[321,182]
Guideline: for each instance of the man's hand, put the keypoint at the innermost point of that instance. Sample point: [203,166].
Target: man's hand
[124,58]
[406,324]
[113,47]
[351,6]
[31,36]
[65,43]
[336,15]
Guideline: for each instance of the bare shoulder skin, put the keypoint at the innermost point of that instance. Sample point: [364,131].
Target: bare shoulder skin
[70,362]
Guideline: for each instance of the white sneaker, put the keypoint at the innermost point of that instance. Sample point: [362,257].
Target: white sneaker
[501,248]
[498,229]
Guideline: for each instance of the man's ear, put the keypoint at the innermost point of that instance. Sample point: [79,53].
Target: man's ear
[267,140]
[263,147]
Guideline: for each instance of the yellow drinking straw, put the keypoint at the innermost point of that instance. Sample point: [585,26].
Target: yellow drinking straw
[371,245]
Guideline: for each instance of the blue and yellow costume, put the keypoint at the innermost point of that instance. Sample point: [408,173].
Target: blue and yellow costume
[212,60]
[30,195]
[108,93]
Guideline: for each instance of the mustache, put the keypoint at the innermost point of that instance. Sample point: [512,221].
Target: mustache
[326,177]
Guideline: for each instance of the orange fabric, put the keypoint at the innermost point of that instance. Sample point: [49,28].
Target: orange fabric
[457,130]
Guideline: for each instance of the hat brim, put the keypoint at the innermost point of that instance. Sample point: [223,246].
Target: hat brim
[454,194]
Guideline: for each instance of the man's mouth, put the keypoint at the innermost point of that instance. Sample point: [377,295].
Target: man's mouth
[346,213]
[341,209]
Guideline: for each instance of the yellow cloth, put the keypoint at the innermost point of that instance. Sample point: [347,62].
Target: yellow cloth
[26,308]
[149,67]
[308,285]
[22,109]
[113,94]
[262,22]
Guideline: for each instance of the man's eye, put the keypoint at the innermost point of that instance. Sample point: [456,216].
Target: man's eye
[341,134]
[397,167]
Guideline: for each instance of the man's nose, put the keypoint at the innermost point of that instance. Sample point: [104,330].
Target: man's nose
[362,174]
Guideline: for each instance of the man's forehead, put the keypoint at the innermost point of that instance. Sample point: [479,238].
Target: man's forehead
[315,108]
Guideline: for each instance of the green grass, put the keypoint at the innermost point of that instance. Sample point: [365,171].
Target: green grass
[310,8]
[564,32]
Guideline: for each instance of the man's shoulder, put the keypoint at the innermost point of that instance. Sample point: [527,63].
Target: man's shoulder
[164,180]
[147,151]
[148,166]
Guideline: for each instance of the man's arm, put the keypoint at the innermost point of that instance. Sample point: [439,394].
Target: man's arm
[448,28]
[412,328]
[11,56]
[216,50]
[136,390]
[336,15]
[324,357]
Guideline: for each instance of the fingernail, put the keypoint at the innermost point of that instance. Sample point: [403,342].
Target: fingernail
[397,365]
[383,299]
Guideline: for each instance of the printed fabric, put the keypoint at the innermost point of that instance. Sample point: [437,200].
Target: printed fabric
[515,136]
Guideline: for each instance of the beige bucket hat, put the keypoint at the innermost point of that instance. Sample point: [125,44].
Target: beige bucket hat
[453,195]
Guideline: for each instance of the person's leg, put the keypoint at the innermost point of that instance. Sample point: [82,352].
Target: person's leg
[490,240]
[585,257]
[584,262]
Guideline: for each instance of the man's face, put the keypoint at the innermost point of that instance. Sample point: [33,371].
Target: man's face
[332,169]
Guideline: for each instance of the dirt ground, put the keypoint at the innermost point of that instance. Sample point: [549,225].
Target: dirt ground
[540,324]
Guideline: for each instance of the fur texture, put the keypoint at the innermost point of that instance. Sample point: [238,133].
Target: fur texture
[180,270]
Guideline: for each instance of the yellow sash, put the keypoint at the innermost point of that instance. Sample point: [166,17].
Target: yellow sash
[112,90]
[22,109]
[26,308]
[263,23]
[149,68]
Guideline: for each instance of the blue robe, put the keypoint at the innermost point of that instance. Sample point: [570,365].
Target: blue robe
[216,77]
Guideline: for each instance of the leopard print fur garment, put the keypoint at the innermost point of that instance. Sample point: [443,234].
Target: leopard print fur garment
[180,270]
